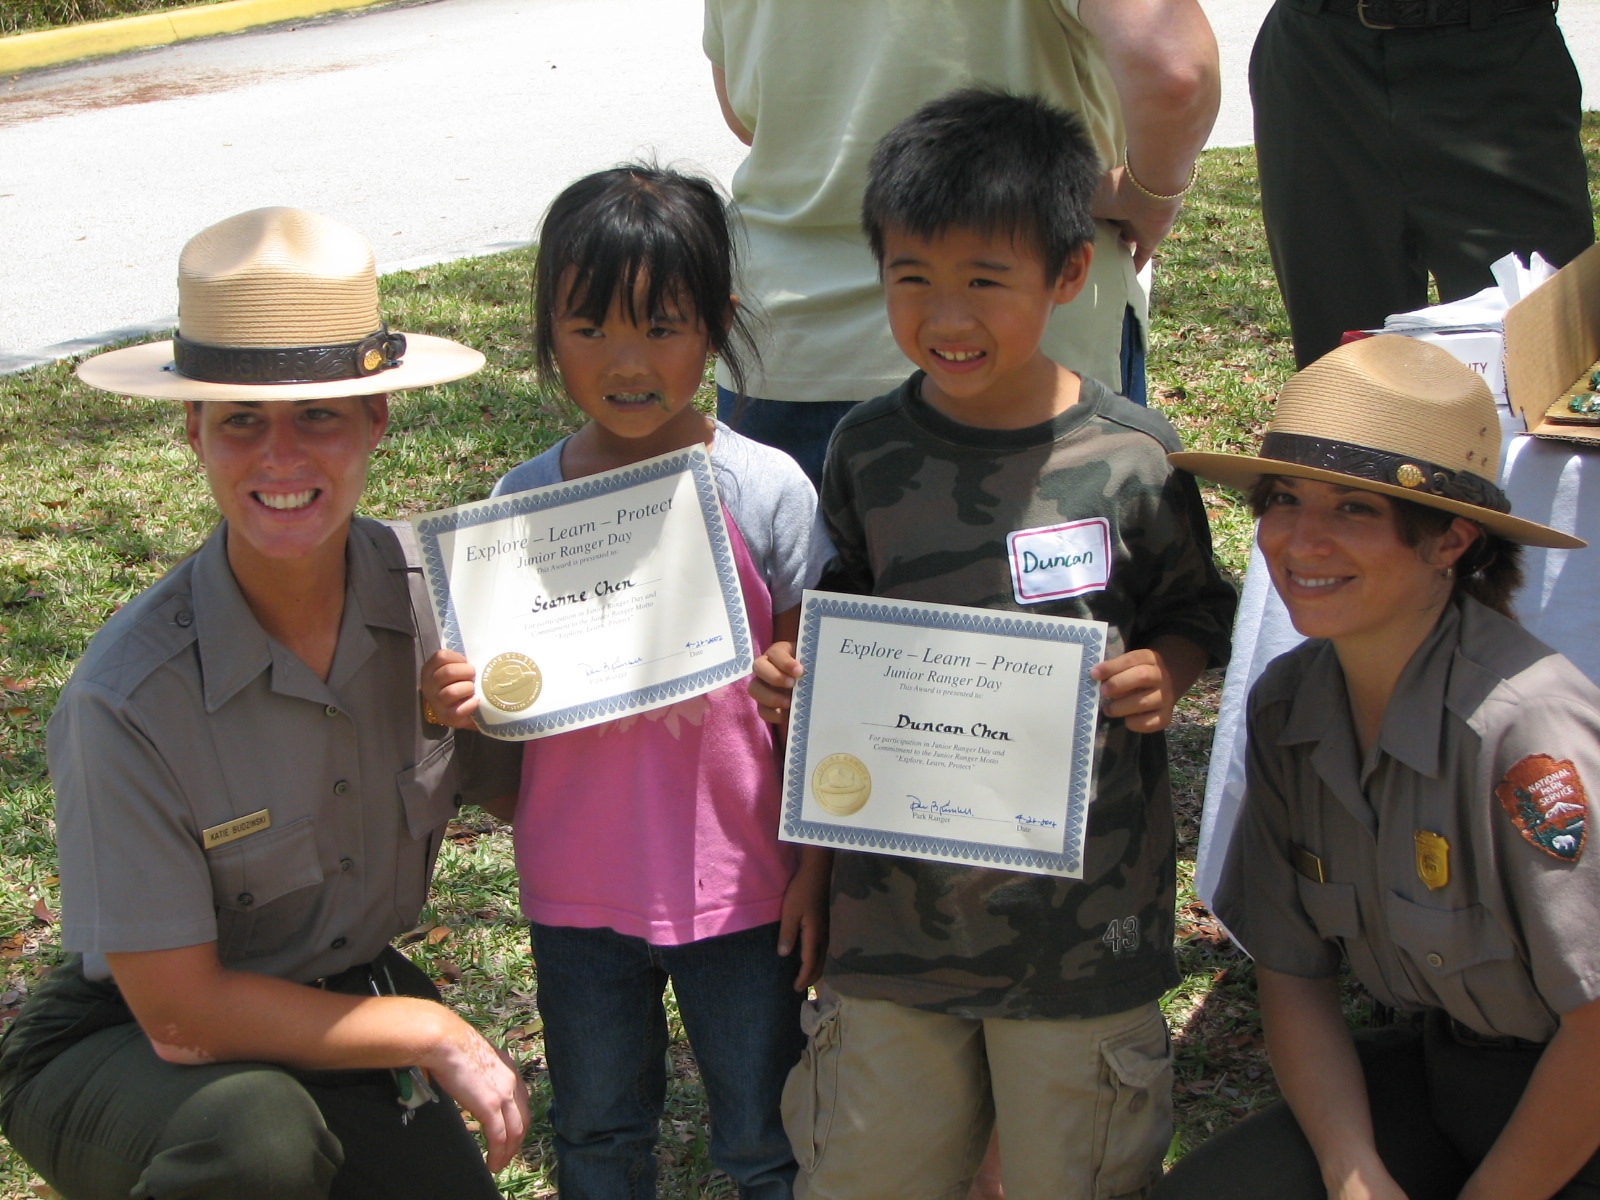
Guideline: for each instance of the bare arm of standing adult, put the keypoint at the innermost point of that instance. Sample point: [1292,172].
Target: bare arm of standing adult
[1162,57]
[719,79]
[194,1010]
[1314,1060]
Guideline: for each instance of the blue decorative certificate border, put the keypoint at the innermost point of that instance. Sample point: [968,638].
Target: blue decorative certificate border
[694,461]
[975,620]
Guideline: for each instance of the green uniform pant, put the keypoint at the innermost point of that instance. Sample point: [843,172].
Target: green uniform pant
[85,1100]
[1387,155]
[1437,1108]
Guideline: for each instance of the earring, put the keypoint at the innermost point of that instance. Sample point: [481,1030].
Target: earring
[1447,573]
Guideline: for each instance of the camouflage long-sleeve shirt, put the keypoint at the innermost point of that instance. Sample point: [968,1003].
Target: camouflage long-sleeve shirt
[920,508]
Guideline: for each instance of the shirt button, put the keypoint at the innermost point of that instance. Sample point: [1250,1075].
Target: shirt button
[245,899]
[331,711]
[341,787]
[184,619]
[346,863]
[1436,959]
[338,943]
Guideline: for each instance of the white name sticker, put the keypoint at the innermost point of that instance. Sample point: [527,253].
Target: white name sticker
[1060,560]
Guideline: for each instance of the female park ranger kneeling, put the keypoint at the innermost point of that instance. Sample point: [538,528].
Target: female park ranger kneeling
[1417,802]
[248,797]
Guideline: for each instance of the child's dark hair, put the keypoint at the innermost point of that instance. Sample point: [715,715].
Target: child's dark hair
[1490,571]
[611,228]
[986,160]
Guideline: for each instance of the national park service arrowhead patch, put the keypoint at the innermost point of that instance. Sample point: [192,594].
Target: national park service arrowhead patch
[1545,799]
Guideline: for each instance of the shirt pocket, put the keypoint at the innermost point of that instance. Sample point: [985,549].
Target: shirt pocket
[431,790]
[1332,908]
[1467,960]
[267,889]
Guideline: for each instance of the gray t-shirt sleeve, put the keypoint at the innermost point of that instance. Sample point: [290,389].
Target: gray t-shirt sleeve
[775,507]
[540,471]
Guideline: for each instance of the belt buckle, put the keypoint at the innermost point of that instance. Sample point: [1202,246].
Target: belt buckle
[1361,12]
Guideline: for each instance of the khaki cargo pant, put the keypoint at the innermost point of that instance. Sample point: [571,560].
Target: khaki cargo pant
[892,1103]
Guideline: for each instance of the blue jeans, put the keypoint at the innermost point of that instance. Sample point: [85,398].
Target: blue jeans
[801,429]
[605,1037]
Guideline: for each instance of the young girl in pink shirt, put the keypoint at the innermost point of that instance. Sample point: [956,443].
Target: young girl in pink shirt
[647,846]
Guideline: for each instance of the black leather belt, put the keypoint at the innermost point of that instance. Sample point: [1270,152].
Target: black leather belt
[1427,14]
[1465,1035]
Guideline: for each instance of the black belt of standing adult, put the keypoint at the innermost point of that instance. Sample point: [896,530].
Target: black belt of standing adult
[1429,14]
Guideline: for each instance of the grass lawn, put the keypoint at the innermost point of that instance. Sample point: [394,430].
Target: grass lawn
[25,16]
[99,496]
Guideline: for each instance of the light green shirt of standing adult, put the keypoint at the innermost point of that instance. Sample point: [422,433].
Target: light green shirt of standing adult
[818,83]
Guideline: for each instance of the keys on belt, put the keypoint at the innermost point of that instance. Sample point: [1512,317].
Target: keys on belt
[411,1083]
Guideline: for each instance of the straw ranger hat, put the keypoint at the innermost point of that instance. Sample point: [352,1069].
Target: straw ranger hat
[1394,415]
[278,304]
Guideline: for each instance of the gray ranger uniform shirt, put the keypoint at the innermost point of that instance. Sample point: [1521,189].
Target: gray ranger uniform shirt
[1486,751]
[210,787]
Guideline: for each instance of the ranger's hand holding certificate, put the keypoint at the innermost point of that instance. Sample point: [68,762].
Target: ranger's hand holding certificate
[957,734]
[585,601]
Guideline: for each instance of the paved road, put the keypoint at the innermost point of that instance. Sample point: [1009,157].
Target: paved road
[436,129]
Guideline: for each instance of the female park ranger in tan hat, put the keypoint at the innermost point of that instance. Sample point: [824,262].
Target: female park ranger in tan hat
[248,798]
[1417,805]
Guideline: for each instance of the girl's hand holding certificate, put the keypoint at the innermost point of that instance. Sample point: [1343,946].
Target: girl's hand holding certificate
[449,690]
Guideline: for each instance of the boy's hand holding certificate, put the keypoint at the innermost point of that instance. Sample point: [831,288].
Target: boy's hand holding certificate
[586,601]
[958,734]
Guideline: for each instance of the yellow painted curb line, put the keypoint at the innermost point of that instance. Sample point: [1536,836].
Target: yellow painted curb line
[26,51]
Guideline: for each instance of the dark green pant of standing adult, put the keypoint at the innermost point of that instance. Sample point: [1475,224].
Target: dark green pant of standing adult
[1437,1107]
[1387,155]
[85,1100]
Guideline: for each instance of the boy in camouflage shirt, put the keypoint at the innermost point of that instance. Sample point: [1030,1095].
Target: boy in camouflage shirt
[958,997]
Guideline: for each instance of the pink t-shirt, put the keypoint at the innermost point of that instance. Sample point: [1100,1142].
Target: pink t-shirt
[662,825]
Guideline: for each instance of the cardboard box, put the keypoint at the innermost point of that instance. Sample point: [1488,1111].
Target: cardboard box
[1552,346]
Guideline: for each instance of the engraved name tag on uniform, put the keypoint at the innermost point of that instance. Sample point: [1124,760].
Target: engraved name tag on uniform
[1057,561]
[1307,863]
[219,835]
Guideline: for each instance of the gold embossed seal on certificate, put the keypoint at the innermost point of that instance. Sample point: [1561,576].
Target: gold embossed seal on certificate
[511,681]
[842,784]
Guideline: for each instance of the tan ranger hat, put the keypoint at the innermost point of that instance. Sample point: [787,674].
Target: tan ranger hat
[278,304]
[1394,415]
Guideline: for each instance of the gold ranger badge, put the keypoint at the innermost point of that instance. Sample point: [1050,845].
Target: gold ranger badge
[841,784]
[1433,859]
[511,682]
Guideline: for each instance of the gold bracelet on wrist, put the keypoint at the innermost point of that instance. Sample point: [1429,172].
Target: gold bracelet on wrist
[1127,169]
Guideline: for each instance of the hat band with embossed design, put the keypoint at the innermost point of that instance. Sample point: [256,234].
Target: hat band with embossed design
[1379,466]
